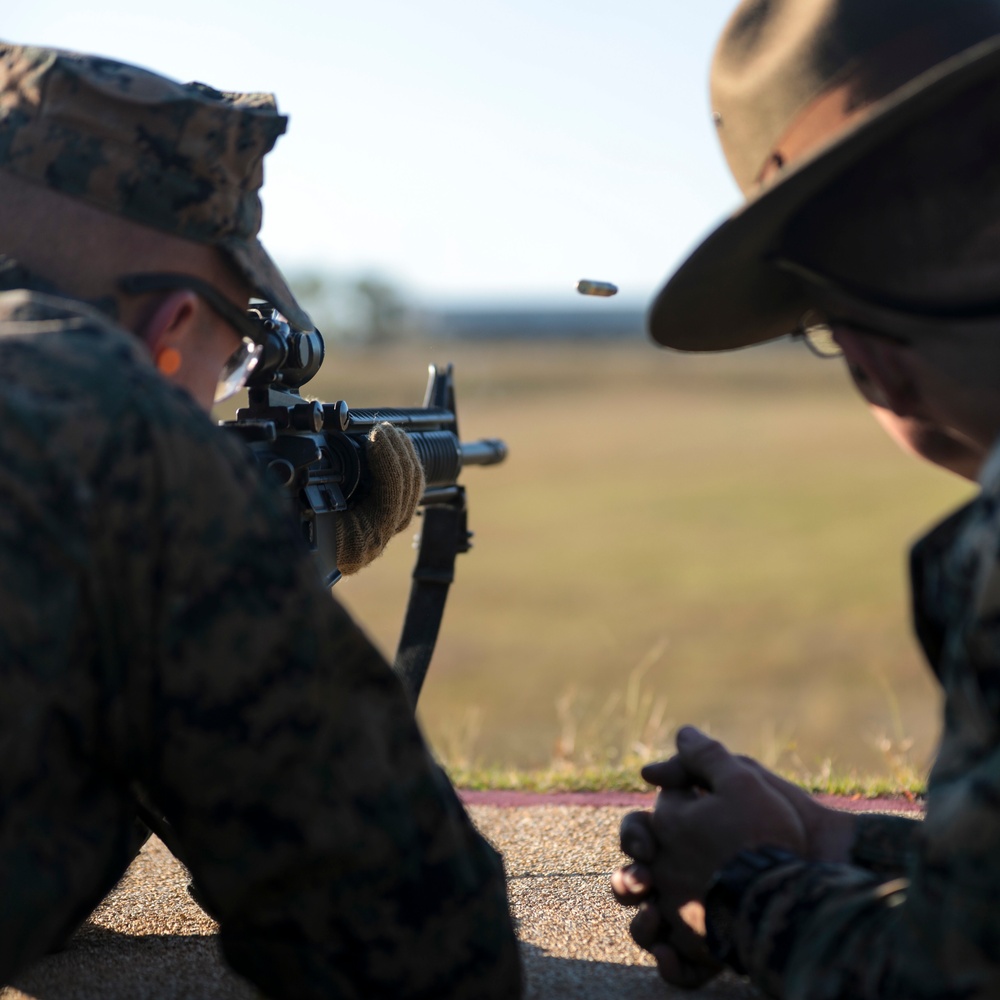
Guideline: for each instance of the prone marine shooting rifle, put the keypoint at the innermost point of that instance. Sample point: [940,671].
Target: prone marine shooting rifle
[315,453]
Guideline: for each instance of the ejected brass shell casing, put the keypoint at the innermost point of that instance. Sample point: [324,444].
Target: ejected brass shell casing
[603,289]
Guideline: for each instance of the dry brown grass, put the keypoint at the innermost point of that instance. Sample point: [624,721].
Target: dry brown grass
[732,527]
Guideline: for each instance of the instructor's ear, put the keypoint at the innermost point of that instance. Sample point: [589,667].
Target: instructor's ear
[882,371]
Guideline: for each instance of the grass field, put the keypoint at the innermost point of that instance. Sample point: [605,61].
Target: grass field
[717,540]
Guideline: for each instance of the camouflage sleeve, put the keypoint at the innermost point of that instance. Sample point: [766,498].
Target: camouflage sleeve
[820,931]
[884,844]
[281,748]
[919,919]
[916,915]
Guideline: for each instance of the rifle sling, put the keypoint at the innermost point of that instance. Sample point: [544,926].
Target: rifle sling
[444,535]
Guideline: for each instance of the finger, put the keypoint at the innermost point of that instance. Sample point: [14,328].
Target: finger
[807,807]
[631,884]
[670,799]
[363,532]
[678,971]
[707,760]
[636,837]
[775,781]
[387,471]
[668,774]
[415,478]
[647,927]
[413,474]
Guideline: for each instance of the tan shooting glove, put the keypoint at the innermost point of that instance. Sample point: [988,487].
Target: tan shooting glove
[397,484]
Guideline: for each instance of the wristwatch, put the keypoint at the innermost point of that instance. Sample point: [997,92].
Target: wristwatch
[725,894]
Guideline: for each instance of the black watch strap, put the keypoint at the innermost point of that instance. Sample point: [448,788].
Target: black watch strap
[725,894]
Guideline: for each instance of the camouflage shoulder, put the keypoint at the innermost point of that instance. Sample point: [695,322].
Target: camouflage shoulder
[25,312]
[67,356]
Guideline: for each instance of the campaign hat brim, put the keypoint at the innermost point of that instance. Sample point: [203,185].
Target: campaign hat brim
[728,293]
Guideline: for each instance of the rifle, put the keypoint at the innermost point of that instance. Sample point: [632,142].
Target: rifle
[315,454]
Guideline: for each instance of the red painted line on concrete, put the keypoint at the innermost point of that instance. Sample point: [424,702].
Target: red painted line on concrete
[635,800]
[899,804]
[644,800]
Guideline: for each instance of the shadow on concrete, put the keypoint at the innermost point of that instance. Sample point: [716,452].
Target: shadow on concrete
[548,977]
[106,964]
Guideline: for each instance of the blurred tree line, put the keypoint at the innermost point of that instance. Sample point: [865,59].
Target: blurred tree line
[370,309]
[366,309]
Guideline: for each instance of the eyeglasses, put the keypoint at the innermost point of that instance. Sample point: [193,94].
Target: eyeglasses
[817,334]
[244,359]
[815,330]
[874,314]
[237,369]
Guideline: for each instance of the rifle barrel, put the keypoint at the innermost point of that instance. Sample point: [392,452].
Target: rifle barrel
[487,451]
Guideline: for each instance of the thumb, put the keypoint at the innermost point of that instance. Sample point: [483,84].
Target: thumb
[705,759]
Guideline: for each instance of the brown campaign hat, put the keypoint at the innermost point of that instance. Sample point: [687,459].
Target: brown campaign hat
[801,91]
[183,158]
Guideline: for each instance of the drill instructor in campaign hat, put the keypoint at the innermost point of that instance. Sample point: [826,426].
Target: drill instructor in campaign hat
[864,136]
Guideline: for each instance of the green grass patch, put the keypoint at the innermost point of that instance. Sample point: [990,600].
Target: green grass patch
[625,778]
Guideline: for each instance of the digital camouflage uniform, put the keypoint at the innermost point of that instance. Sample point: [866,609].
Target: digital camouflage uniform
[162,625]
[163,630]
[918,914]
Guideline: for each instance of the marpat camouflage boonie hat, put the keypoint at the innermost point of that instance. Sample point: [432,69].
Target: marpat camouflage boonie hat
[183,158]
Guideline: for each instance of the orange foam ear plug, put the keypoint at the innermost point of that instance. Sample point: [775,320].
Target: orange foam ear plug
[168,361]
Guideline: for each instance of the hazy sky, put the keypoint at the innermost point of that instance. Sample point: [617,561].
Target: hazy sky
[463,148]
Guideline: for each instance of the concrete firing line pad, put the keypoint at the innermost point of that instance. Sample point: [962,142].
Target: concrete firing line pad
[149,941]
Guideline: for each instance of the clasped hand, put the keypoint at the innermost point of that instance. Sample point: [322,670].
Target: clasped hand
[711,805]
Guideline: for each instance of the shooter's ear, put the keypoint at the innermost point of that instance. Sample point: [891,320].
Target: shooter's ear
[170,322]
